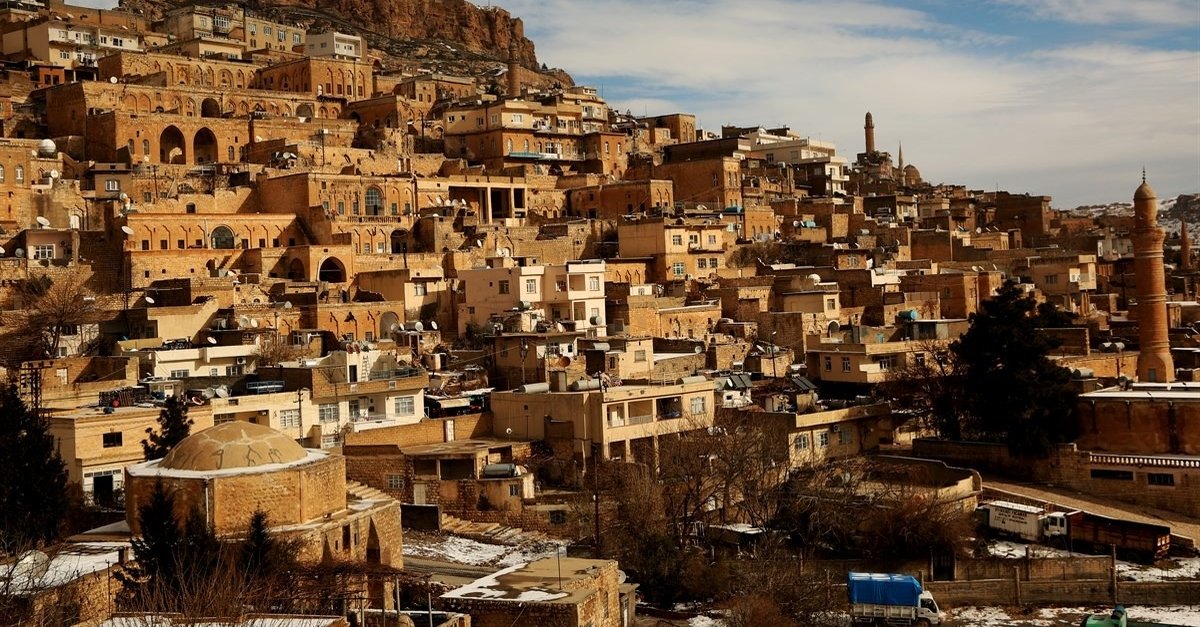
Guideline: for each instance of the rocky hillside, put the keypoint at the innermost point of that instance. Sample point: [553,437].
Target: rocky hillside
[1171,211]
[445,34]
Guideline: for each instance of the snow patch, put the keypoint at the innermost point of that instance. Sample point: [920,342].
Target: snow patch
[475,553]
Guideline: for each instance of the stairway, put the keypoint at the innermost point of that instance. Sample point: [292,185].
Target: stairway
[492,533]
[364,492]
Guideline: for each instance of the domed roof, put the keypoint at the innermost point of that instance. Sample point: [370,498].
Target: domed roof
[1144,191]
[234,444]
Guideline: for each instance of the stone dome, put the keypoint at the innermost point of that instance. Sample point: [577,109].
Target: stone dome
[1144,191]
[232,445]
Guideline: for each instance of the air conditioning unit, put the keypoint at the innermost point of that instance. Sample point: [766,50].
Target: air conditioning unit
[241,361]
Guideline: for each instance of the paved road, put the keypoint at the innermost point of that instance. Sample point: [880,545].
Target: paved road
[1180,524]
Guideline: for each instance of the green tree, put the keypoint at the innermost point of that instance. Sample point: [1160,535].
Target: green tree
[261,556]
[1013,392]
[174,425]
[33,501]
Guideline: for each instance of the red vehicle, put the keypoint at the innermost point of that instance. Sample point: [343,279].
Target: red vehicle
[1141,542]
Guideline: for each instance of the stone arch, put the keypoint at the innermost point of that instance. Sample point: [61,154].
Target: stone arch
[226,78]
[396,240]
[172,147]
[304,110]
[222,238]
[204,146]
[332,270]
[386,322]
[210,108]
[373,201]
[296,270]
[243,108]
[144,104]
[324,112]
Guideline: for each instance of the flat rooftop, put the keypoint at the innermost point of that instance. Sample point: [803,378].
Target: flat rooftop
[538,582]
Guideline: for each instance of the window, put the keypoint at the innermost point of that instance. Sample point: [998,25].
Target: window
[919,359]
[845,436]
[828,363]
[43,251]
[180,374]
[266,30]
[823,439]
[1160,478]
[328,412]
[802,442]
[112,185]
[234,371]
[677,240]
[558,517]
[420,289]
[289,418]
[594,283]
[712,262]
[887,362]
[698,405]
[514,490]
[677,268]
[845,364]
[329,441]
[395,482]
[112,440]
[639,356]
[712,239]
[530,286]
[295,38]
[405,406]
[701,263]
[1051,279]
[502,287]
[830,303]
[374,200]
[1,174]
[1118,475]
[20,174]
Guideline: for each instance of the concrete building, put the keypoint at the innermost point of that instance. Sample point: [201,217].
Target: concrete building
[333,44]
[544,296]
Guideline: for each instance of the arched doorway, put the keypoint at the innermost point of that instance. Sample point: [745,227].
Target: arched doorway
[296,271]
[210,108]
[205,146]
[304,111]
[374,201]
[387,323]
[397,241]
[332,271]
[222,238]
[171,146]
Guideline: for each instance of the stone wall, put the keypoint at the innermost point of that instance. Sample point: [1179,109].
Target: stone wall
[432,431]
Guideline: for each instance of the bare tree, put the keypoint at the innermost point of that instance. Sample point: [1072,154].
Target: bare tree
[274,349]
[929,389]
[50,309]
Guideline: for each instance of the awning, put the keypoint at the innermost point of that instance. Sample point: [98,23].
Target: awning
[452,403]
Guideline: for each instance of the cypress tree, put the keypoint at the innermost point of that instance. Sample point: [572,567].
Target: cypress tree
[174,425]
[33,497]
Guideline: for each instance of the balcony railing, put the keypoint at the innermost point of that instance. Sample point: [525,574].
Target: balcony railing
[398,373]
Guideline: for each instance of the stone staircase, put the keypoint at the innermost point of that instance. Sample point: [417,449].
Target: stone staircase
[364,492]
[493,533]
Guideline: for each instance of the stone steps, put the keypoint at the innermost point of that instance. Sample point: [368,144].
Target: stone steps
[493,533]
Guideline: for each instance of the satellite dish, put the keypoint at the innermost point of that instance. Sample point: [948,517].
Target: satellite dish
[393,327]
[504,252]
[126,230]
[701,208]
[221,392]
[418,327]
[440,201]
[796,224]
[54,174]
[508,431]
[43,221]
[697,350]
[243,321]
[287,304]
[564,361]
[212,340]
[254,323]
[112,79]
[20,253]
[150,300]
[479,243]
[433,325]
[1,250]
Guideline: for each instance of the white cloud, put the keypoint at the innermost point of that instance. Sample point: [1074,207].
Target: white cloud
[1065,120]
[1154,12]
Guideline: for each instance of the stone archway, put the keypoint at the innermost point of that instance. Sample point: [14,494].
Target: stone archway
[332,271]
[204,146]
[210,108]
[304,110]
[296,271]
[397,240]
[172,148]
[388,323]
[222,238]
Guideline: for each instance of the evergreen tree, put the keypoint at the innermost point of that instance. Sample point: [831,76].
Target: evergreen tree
[155,551]
[1013,392]
[174,425]
[260,550]
[33,498]
[200,550]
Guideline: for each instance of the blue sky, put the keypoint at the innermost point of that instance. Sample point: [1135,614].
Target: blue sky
[1062,97]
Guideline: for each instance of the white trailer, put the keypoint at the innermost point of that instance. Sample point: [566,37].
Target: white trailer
[1026,522]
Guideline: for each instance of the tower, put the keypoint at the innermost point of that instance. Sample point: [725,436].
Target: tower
[1154,364]
[869,129]
[513,75]
[1185,247]
[900,157]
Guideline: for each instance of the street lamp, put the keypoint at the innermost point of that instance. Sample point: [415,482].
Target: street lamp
[524,350]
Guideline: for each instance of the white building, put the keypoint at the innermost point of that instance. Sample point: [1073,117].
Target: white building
[334,44]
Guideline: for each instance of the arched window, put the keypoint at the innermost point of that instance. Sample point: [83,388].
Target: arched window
[230,153]
[145,147]
[222,238]
[510,146]
[374,200]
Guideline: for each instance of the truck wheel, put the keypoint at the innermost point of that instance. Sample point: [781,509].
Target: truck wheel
[923,622]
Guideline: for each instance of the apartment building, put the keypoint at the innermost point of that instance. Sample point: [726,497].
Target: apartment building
[569,295]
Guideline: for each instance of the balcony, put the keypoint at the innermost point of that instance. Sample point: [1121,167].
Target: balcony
[399,373]
[542,156]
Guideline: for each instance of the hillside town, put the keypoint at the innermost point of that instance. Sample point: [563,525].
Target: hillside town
[303,325]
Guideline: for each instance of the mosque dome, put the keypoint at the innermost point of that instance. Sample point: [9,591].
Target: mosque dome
[232,445]
[1144,191]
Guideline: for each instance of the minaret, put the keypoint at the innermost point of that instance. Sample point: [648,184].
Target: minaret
[869,128]
[514,80]
[900,157]
[1185,247]
[1154,364]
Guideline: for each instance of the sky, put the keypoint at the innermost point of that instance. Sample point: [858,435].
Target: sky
[1067,98]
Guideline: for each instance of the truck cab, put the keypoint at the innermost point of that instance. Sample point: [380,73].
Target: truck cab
[928,609]
[1054,525]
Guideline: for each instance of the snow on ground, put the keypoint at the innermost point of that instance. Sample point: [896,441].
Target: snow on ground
[705,621]
[473,552]
[1187,615]
[1165,570]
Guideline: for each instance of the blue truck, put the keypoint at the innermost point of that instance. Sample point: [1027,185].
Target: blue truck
[888,599]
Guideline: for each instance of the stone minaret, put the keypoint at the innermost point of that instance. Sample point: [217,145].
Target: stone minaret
[1185,247]
[1154,364]
[870,132]
[513,76]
